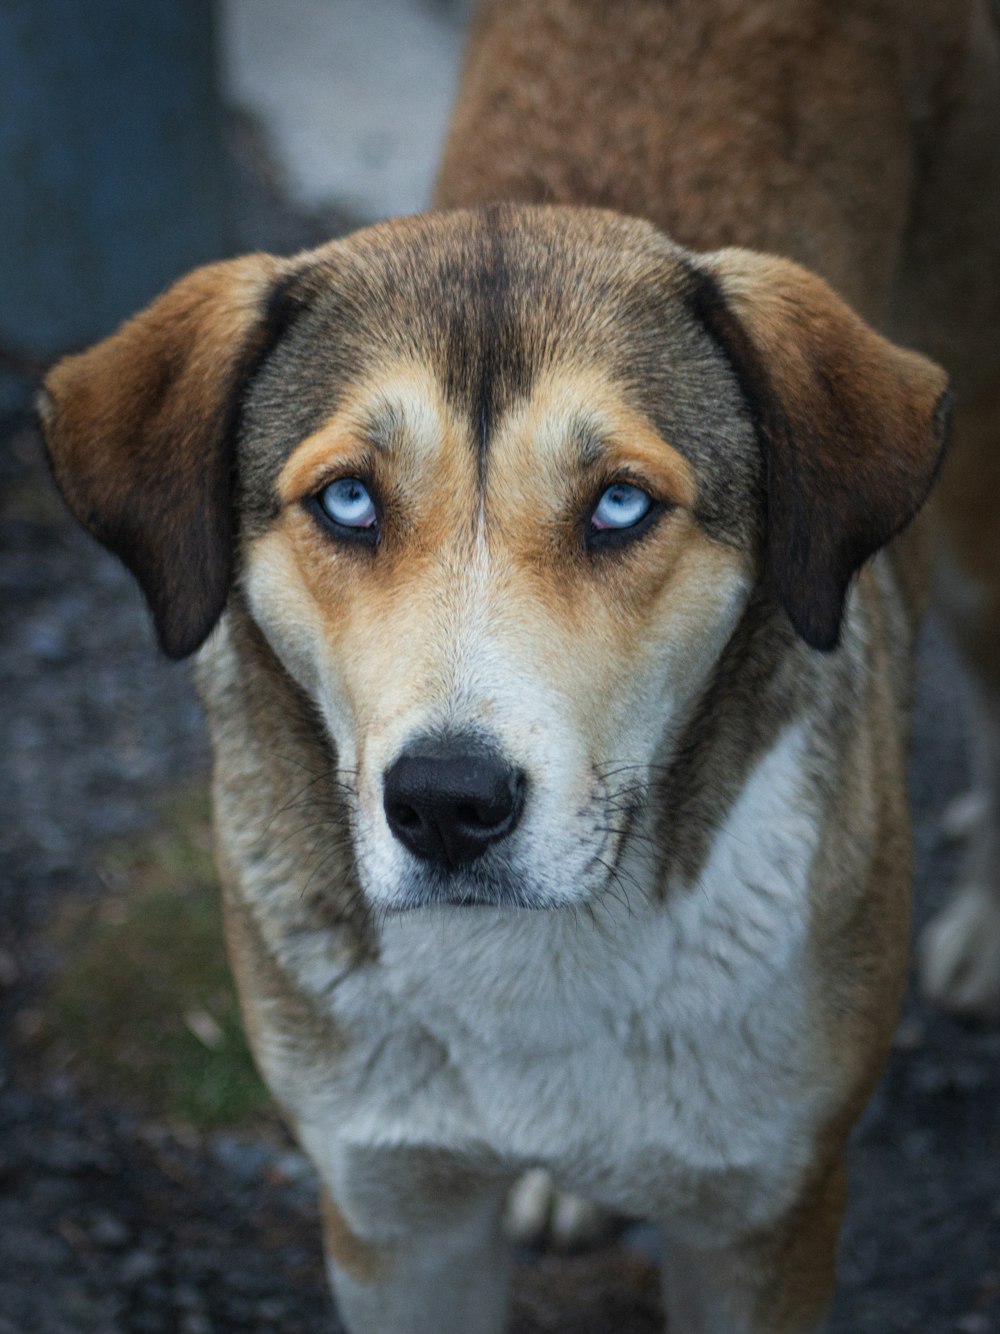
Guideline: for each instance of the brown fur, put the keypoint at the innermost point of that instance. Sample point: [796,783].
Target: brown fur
[145,450]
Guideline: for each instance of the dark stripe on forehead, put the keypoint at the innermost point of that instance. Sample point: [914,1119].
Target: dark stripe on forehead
[495,315]
[486,360]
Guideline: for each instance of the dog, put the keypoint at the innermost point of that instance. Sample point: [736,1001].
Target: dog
[552,568]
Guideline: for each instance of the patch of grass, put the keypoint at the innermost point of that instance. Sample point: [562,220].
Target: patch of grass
[144,1010]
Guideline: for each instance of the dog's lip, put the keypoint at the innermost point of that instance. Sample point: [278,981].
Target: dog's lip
[470,897]
[469,901]
[465,901]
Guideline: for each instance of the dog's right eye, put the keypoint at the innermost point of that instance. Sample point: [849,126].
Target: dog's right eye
[348,510]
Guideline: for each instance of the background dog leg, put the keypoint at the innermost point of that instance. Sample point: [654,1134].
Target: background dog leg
[405,1254]
[960,947]
[948,304]
[959,953]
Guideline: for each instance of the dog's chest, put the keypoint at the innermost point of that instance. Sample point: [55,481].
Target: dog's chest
[641,1048]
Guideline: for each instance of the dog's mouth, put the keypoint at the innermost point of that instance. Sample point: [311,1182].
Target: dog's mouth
[574,866]
[504,890]
[495,892]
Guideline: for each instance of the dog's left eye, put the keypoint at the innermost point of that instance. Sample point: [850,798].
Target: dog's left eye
[621,506]
[347,504]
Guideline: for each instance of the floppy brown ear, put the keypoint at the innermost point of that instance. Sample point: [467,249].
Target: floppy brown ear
[853,428]
[141,430]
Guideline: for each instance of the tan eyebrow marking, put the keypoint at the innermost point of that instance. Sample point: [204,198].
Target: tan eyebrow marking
[303,471]
[404,405]
[580,418]
[590,441]
[635,444]
[382,424]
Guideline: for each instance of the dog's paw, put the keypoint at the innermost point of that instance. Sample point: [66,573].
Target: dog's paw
[539,1214]
[959,953]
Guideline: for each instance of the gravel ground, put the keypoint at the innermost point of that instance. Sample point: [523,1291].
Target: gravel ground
[109,1224]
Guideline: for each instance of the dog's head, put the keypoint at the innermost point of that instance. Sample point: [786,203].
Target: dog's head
[496,486]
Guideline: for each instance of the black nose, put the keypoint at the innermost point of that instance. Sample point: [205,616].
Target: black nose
[447,801]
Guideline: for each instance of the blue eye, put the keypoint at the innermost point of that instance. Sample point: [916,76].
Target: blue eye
[348,503]
[621,506]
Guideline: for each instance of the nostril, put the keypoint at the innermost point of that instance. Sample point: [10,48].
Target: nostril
[483,816]
[405,816]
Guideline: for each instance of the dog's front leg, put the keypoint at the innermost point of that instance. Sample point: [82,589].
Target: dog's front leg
[959,951]
[777,1280]
[414,1243]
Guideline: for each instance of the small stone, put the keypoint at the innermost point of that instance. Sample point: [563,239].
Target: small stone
[30,1249]
[10,971]
[64,1154]
[71,1231]
[47,643]
[272,1309]
[206,1028]
[106,1230]
[290,1167]
[917,1145]
[147,1322]
[974,1323]
[247,1162]
[910,1035]
[188,1298]
[195,1322]
[56,1193]
[138,1266]
[28,1024]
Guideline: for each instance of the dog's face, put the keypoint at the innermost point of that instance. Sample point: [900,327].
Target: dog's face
[504,482]
[484,560]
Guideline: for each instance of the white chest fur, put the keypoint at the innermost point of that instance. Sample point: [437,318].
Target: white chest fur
[637,1053]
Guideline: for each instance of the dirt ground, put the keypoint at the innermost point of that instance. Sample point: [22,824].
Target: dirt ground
[109,1222]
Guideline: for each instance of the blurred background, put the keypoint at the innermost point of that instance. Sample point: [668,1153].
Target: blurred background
[145,1182]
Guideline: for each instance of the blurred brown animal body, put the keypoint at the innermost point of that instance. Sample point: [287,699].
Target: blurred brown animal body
[557,679]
